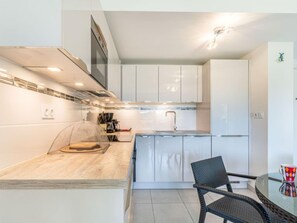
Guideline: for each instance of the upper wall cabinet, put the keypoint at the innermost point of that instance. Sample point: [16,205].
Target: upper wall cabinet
[169,83]
[59,23]
[191,83]
[162,83]
[129,83]
[147,83]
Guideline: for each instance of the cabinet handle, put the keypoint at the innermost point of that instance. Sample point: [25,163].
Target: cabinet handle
[143,136]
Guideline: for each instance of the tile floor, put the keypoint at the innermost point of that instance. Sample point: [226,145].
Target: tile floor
[173,206]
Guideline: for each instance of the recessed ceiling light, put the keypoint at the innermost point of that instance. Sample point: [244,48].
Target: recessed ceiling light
[54,69]
[79,84]
[3,70]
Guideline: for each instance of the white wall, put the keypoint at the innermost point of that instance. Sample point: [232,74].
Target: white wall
[258,97]
[280,104]
[269,6]
[295,111]
[271,92]
[23,133]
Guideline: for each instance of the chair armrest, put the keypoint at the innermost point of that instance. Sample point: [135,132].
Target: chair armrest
[258,207]
[242,176]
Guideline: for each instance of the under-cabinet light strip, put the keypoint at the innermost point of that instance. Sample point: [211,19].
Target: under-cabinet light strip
[21,83]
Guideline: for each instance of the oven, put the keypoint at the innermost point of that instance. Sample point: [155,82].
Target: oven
[99,55]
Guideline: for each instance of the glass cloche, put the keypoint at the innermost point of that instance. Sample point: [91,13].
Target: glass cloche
[81,137]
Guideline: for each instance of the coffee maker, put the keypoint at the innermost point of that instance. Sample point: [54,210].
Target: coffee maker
[108,123]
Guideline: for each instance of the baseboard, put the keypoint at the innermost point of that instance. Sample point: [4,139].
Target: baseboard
[176,185]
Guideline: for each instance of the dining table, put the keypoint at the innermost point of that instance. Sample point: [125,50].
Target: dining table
[279,196]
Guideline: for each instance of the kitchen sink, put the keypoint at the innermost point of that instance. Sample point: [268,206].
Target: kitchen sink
[180,132]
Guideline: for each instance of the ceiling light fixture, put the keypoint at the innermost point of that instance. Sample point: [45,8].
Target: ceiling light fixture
[2,70]
[218,32]
[79,84]
[54,69]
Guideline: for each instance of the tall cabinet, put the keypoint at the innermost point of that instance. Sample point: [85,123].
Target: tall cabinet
[228,111]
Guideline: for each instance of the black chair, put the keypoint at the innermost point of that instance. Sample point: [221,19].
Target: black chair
[210,174]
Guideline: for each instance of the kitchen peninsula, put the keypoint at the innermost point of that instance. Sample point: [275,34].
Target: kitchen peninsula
[69,188]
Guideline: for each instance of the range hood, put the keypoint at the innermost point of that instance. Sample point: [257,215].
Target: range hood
[39,59]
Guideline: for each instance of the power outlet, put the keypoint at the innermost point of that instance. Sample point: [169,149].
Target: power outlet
[257,115]
[47,112]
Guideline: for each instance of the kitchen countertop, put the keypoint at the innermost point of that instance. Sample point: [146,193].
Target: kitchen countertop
[177,132]
[72,171]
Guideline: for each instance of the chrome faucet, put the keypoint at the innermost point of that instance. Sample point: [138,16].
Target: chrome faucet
[174,113]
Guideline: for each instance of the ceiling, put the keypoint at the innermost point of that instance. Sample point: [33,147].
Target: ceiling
[182,37]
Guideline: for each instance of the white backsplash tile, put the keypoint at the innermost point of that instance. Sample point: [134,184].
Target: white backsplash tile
[155,119]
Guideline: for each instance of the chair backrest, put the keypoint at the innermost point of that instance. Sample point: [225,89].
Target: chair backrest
[210,172]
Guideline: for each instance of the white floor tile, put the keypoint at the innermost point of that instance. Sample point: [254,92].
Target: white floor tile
[142,213]
[171,213]
[142,197]
[174,206]
[194,210]
[191,196]
[165,196]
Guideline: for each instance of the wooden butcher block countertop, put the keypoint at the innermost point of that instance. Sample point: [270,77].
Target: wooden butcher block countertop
[72,171]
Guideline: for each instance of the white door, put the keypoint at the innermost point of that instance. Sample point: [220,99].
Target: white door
[147,83]
[145,158]
[229,97]
[234,151]
[189,83]
[129,83]
[195,148]
[168,158]
[169,83]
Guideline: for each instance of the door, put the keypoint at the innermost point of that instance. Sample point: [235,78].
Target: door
[234,151]
[129,83]
[189,84]
[147,83]
[169,83]
[145,162]
[168,159]
[229,97]
[195,148]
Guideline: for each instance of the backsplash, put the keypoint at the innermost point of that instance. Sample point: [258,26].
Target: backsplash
[152,117]
[24,134]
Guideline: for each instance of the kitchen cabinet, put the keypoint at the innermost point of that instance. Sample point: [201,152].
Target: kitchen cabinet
[147,83]
[115,79]
[49,24]
[191,83]
[169,83]
[234,151]
[129,83]
[229,97]
[168,158]
[195,148]
[145,158]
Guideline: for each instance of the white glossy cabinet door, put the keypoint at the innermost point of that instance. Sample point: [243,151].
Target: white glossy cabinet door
[145,158]
[234,151]
[189,83]
[129,83]
[199,85]
[229,97]
[147,83]
[195,148]
[168,159]
[169,83]
[114,79]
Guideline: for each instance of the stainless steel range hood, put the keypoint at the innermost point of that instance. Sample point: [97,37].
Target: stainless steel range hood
[39,59]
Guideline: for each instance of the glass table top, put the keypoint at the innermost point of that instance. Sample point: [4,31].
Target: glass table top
[281,194]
